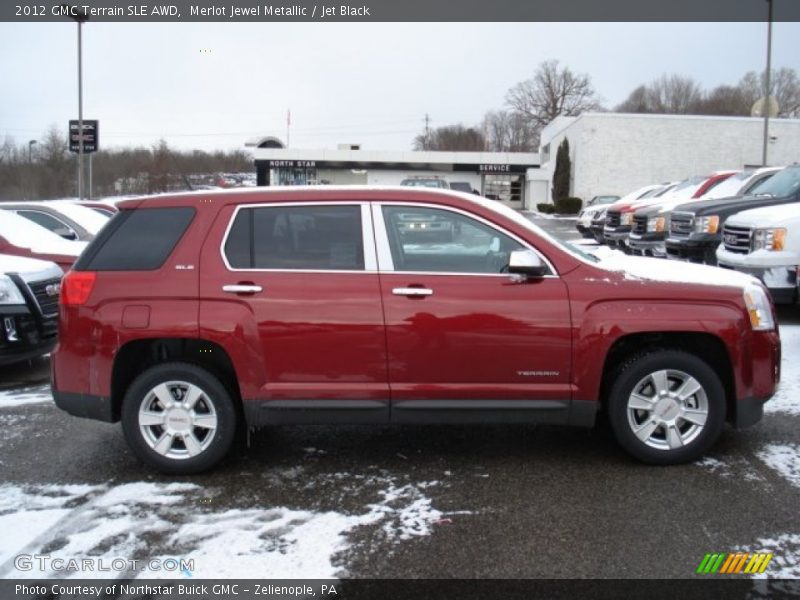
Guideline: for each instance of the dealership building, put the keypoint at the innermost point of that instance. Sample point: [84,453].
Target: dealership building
[611,153]
[503,176]
[614,153]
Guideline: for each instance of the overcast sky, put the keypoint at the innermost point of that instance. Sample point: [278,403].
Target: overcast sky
[214,85]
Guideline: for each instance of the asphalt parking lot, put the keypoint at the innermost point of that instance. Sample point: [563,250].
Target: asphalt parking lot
[400,502]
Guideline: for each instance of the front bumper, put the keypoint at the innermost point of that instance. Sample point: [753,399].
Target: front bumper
[20,335]
[765,364]
[646,247]
[780,280]
[694,250]
[617,236]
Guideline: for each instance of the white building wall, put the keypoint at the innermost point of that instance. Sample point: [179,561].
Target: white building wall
[615,153]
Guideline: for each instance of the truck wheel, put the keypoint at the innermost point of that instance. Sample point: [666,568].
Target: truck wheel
[666,407]
[178,418]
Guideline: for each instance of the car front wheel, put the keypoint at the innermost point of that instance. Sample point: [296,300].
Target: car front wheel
[666,407]
[178,418]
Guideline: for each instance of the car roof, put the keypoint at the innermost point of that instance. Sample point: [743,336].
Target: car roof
[332,193]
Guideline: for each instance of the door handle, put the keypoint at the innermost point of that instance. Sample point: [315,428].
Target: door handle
[412,291]
[240,288]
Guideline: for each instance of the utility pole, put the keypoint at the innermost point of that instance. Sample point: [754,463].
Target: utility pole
[767,75]
[78,15]
[427,131]
[288,124]
[30,150]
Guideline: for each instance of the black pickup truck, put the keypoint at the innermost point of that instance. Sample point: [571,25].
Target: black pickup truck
[695,228]
[29,293]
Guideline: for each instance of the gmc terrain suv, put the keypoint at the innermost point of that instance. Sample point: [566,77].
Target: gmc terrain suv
[192,316]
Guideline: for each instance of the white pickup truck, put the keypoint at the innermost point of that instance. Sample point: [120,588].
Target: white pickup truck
[765,242]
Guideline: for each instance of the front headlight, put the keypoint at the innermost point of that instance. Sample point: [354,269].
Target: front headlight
[759,308]
[656,224]
[771,238]
[626,218]
[9,293]
[708,224]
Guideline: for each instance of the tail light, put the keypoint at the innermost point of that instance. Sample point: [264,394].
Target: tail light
[76,287]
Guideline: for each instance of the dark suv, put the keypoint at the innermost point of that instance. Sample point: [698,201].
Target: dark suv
[191,316]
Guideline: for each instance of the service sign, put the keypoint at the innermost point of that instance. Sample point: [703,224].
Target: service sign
[90,136]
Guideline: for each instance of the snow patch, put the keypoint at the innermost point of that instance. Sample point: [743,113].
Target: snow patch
[37,394]
[654,269]
[786,399]
[783,458]
[785,563]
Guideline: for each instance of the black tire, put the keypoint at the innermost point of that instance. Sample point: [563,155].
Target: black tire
[624,419]
[215,401]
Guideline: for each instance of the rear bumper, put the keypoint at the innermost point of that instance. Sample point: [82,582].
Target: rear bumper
[85,406]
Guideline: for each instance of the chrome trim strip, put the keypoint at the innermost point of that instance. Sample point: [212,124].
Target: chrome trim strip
[385,260]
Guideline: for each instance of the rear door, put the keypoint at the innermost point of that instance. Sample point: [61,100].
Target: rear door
[307,274]
[466,340]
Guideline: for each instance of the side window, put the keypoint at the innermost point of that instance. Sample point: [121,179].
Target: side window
[297,238]
[441,241]
[43,219]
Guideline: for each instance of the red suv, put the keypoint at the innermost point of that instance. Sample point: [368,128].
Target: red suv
[192,316]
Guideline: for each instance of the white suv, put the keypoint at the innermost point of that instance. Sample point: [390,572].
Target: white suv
[765,242]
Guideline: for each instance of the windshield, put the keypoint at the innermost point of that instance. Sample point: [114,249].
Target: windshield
[24,233]
[687,188]
[784,183]
[432,183]
[730,186]
[597,200]
[90,220]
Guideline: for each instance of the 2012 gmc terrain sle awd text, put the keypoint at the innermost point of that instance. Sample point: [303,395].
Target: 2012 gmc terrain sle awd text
[192,316]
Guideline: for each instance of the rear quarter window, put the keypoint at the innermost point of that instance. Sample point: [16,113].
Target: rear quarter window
[136,240]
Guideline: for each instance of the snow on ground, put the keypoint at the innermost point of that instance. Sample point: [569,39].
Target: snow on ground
[732,468]
[36,394]
[787,400]
[145,521]
[785,563]
[783,458]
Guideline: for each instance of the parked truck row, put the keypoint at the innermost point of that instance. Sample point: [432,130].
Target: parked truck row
[746,220]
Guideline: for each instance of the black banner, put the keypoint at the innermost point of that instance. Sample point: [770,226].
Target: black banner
[406,11]
[702,587]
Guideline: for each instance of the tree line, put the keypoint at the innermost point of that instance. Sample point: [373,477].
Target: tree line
[48,169]
[555,90]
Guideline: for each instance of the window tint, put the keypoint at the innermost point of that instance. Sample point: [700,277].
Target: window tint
[441,241]
[43,219]
[297,238]
[136,240]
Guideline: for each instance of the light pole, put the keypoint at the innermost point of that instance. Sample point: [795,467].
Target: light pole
[30,150]
[78,14]
[767,104]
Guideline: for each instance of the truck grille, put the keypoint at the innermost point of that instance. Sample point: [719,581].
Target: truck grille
[47,293]
[613,218]
[736,239]
[681,224]
[639,224]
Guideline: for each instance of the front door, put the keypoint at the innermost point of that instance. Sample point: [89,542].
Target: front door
[462,334]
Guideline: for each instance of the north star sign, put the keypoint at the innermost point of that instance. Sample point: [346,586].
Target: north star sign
[292,164]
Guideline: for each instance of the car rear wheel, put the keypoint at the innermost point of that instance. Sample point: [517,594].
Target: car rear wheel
[666,407]
[178,418]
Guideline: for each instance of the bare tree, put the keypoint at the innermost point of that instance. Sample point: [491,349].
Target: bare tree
[451,138]
[725,100]
[508,131]
[672,94]
[784,87]
[551,92]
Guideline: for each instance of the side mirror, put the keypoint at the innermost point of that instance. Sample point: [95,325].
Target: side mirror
[66,233]
[526,262]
